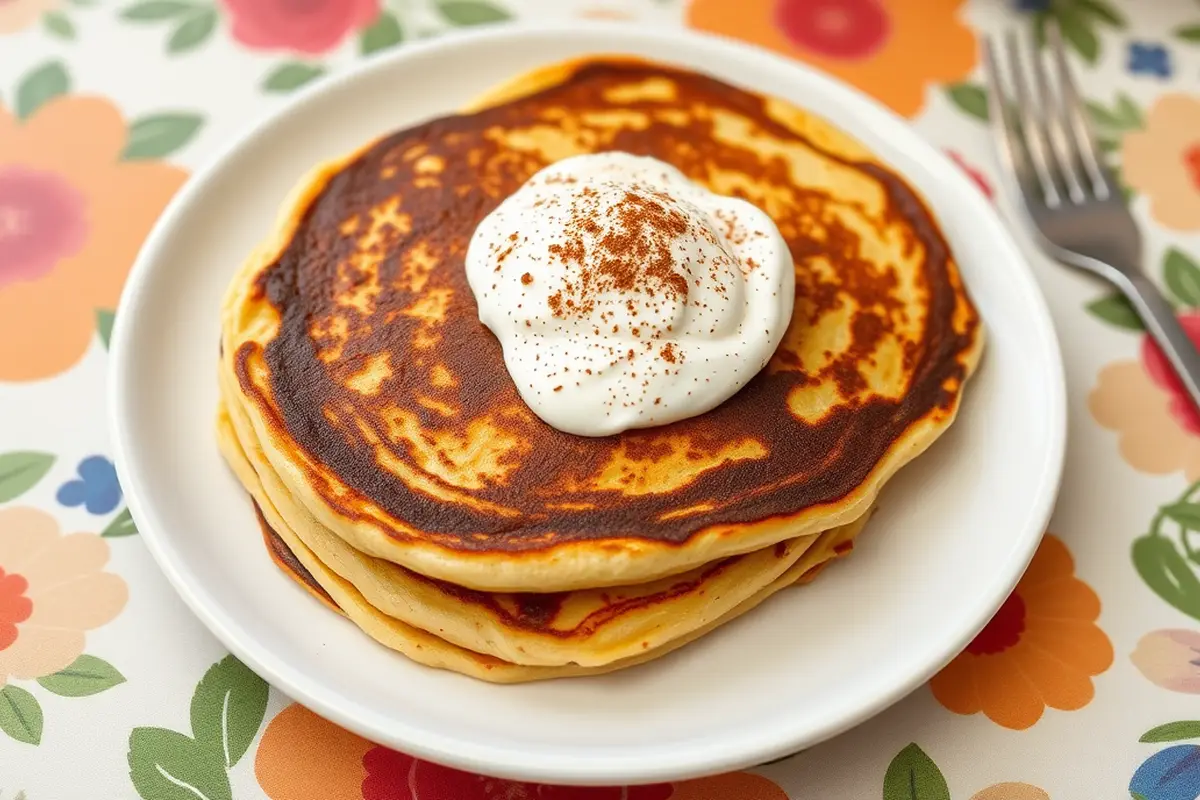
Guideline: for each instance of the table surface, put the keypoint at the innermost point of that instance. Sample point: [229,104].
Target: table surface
[109,688]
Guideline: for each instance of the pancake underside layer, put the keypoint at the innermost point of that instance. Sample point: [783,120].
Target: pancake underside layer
[304,566]
[352,344]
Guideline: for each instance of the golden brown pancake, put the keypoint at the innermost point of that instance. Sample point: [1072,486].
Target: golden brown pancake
[386,409]
[588,627]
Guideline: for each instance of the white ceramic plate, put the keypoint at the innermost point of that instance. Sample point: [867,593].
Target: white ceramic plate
[954,532]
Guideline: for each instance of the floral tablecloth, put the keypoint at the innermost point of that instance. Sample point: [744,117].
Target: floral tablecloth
[1086,683]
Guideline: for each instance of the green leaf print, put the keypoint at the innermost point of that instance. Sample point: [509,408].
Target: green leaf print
[1102,117]
[472,12]
[1078,20]
[21,471]
[1121,118]
[1102,10]
[1173,732]
[1078,33]
[912,775]
[59,24]
[104,325]
[166,765]
[121,525]
[970,98]
[292,75]
[20,715]
[193,31]
[154,10]
[1189,33]
[228,708]
[1115,310]
[40,86]
[1186,514]
[1167,573]
[384,33]
[1182,276]
[1128,113]
[86,675]
[159,135]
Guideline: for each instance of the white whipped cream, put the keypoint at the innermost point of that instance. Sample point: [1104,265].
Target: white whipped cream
[625,296]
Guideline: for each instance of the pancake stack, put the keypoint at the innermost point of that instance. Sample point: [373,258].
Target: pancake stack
[401,480]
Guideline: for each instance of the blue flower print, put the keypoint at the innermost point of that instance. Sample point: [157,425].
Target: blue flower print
[96,488]
[1149,59]
[1171,774]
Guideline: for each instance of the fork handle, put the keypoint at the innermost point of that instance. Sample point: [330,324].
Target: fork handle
[1163,326]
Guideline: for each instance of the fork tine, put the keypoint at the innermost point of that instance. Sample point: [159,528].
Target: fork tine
[1031,127]
[1056,114]
[1004,130]
[1075,118]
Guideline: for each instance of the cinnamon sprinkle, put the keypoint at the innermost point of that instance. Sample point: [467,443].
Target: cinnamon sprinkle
[630,252]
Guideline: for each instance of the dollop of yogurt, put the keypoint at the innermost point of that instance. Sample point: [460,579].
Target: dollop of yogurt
[625,296]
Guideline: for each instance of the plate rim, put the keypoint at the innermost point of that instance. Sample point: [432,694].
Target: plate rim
[509,762]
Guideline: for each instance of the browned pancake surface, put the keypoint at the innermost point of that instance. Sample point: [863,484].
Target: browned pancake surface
[380,349]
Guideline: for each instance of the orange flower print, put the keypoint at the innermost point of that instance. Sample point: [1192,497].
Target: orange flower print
[302,756]
[72,217]
[1146,404]
[17,15]
[1162,161]
[880,46]
[1041,649]
[1011,791]
[52,591]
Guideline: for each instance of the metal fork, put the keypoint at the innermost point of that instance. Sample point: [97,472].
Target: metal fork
[1070,197]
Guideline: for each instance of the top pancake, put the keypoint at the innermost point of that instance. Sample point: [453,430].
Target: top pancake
[386,407]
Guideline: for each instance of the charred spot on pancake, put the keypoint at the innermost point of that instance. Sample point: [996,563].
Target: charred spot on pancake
[470,468]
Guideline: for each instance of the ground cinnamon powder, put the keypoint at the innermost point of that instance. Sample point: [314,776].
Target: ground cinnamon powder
[630,244]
